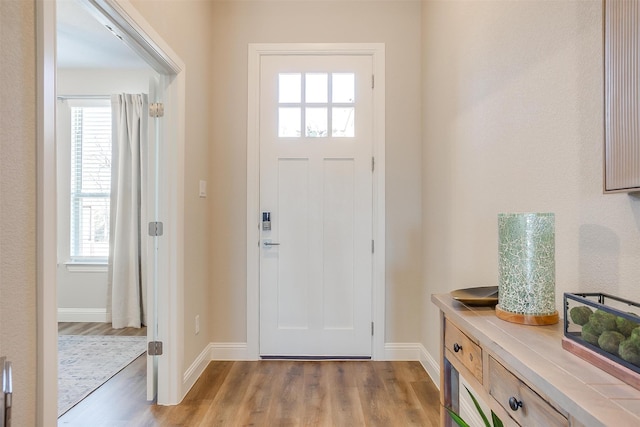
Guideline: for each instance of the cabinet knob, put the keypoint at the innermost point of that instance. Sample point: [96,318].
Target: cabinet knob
[514,403]
[457,347]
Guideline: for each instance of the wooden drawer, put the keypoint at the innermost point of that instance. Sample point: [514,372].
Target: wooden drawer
[535,411]
[463,349]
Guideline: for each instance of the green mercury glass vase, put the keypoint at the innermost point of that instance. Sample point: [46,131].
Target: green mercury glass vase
[526,250]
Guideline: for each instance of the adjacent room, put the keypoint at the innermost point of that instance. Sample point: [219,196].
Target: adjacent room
[101,304]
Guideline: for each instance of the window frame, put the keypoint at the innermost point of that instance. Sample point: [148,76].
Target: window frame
[65,194]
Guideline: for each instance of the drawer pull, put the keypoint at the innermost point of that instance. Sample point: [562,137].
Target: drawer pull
[457,347]
[514,403]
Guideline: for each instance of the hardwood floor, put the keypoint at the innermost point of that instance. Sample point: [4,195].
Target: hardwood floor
[271,393]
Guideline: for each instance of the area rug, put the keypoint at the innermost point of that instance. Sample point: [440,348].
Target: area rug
[85,362]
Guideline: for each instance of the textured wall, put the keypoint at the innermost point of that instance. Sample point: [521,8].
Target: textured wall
[216,97]
[186,26]
[18,202]
[236,24]
[513,122]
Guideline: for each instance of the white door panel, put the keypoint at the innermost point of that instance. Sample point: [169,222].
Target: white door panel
[315,285]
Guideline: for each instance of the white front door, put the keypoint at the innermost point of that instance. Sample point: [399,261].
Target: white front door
[316,203]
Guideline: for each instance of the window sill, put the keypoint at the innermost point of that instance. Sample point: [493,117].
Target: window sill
[86,267]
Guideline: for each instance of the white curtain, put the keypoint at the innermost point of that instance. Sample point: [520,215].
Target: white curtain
[127,270]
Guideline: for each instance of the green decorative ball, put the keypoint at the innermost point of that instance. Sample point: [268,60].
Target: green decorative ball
[580,314]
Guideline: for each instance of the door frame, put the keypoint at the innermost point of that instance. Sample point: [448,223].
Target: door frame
[255,51]
[147,42]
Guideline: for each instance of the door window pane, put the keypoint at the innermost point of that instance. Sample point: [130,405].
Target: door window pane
[289,88]
[289,122]
[342,120]
[316,105]
[316,87]
[343,88]
[316,122]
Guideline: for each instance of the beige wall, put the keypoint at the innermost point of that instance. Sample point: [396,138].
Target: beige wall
[513,122]
[18,202]
[186,27]
[235,24]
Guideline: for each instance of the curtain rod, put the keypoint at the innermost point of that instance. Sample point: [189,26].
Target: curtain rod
[63,97]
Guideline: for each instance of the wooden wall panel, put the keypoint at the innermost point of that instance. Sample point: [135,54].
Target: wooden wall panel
[622,95]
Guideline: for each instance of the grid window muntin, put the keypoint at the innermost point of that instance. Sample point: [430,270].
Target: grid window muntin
[312,113]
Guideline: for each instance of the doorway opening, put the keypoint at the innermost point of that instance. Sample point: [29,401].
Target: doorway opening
[91,66]
[124,21]
[256,239]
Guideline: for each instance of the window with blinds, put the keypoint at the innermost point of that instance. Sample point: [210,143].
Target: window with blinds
[90,182]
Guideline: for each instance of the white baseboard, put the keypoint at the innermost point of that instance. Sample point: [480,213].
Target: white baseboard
[414,352]
[84,315]
[213,351]
[431,365]
[402,351]
[196,369]
[230,351]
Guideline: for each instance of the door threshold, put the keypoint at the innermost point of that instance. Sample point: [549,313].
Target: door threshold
[315,357]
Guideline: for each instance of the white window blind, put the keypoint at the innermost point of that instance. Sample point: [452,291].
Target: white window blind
[90,182]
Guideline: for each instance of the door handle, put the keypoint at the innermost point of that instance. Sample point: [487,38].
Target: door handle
[268,244]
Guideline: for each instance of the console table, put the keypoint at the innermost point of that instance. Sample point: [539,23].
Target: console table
[523,373]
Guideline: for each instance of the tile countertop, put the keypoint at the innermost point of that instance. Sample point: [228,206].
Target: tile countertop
[535,354]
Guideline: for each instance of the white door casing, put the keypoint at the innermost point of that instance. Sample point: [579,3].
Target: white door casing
[316,185]
[339,163]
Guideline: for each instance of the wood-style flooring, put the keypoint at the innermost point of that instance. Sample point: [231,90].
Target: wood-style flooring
[88,328]
[272,393]
[132,379]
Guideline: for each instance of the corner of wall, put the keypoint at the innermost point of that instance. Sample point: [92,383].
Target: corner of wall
[414,352]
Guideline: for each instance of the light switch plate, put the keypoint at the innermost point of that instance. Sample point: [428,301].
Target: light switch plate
[203,189]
